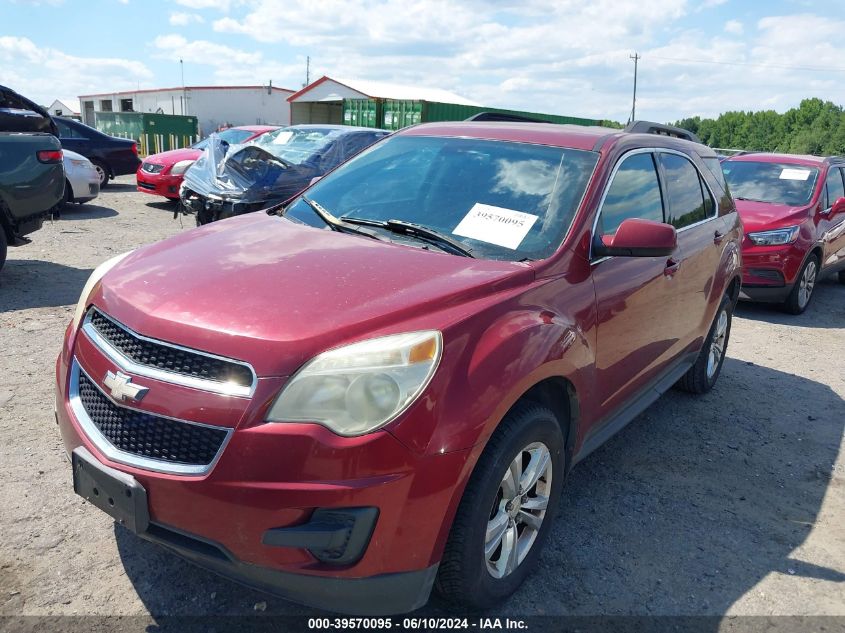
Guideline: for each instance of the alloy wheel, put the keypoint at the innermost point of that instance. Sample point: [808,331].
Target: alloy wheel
[717,345]
[101,172]
[518,510]
[807,283]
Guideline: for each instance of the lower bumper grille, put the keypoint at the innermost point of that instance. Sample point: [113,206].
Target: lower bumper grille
[170,443]
[146,185]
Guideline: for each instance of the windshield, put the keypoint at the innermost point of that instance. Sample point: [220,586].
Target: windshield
[502,200]
[297,145]
[232,136]
[778,183]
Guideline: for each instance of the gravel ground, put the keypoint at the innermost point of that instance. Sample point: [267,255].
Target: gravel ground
[732,503]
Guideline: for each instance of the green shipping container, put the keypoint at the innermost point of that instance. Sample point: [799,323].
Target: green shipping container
[397,114]
[362,112]
[154,133]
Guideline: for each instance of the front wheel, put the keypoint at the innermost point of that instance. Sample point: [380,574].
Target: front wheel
[506,510]
[802,291]
[701,377]
[102,173]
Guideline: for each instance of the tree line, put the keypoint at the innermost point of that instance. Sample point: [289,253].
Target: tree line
[814,127]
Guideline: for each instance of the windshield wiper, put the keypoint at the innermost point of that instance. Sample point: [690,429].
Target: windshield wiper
[422,233]
[333,223]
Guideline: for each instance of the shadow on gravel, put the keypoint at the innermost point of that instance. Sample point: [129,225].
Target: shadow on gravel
[826,309]
[33,283]
[164,204]
[682,513]
[85,211]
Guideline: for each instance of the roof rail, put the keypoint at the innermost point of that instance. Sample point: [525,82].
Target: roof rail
[834,159]
[649,127]
[503,117]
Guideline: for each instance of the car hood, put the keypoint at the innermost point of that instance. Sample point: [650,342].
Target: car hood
[764,216]
[174,156]
[263,289]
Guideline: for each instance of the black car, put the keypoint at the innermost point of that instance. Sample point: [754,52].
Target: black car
[271,169]
[111,156]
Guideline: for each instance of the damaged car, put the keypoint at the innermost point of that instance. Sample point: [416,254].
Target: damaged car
[231,180]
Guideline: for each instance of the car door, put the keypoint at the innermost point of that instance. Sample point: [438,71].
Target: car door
[635,296]
[831,226]
[691,208]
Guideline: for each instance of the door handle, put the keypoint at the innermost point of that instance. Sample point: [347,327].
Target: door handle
[672,266]
[718,236]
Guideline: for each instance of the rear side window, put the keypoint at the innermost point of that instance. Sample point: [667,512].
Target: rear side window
[714,165]
[685,191]
[634,193]
[833,187]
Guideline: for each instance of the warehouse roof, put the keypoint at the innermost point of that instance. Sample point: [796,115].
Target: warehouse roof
[380,89]
[180,88]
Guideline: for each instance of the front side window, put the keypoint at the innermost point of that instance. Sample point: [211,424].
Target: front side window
[502,200]
[775,183]
[634,193]
[833,187]
[685,192]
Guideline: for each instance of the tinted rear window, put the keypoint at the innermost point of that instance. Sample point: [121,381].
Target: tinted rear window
[778,183]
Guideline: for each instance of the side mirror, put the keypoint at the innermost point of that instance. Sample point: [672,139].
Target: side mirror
[838,207]
[638,238]
[316,178]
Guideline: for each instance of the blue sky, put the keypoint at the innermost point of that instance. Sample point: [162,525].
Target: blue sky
[565,57]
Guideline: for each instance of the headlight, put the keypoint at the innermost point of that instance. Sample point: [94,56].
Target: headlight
[356,389]
[774,238]
[181,167]
[99,272]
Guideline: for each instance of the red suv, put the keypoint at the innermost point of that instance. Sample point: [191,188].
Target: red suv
[380,387]
[793,211]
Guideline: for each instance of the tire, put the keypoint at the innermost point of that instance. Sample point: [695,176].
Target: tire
[701,377]
[102,172]
[802,291]
[68,199]
[468,575]
[3,246]
[842,277]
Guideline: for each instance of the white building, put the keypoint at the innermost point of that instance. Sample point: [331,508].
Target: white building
[214,106]
[322,101]
[64,107]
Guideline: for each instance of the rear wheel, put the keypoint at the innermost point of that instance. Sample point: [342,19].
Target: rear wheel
[102,173]
[701,377]
[506,510]
[802,291]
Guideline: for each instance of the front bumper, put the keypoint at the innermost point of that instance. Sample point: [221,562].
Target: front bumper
[272,477]
[159,184]
[769,272]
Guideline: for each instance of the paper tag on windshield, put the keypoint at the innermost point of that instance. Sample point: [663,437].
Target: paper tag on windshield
[795,174]
[496,225]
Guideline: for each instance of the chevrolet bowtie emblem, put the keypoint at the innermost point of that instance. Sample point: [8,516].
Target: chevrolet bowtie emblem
[122,388]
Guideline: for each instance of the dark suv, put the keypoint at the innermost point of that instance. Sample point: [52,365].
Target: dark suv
[111,156]
[380,387]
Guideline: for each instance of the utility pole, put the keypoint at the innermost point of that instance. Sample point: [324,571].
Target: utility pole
[308,70]
[636,57]
[184,94]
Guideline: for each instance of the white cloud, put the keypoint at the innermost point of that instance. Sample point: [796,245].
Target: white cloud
[220,5]
[42,73]
[180,18]
[734,27]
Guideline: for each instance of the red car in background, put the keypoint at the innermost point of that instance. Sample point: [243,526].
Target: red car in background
[162,174]
[793,211]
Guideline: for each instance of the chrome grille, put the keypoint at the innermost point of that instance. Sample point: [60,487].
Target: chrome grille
[200,369]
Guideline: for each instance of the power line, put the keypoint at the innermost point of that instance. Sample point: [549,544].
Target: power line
[779,66]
